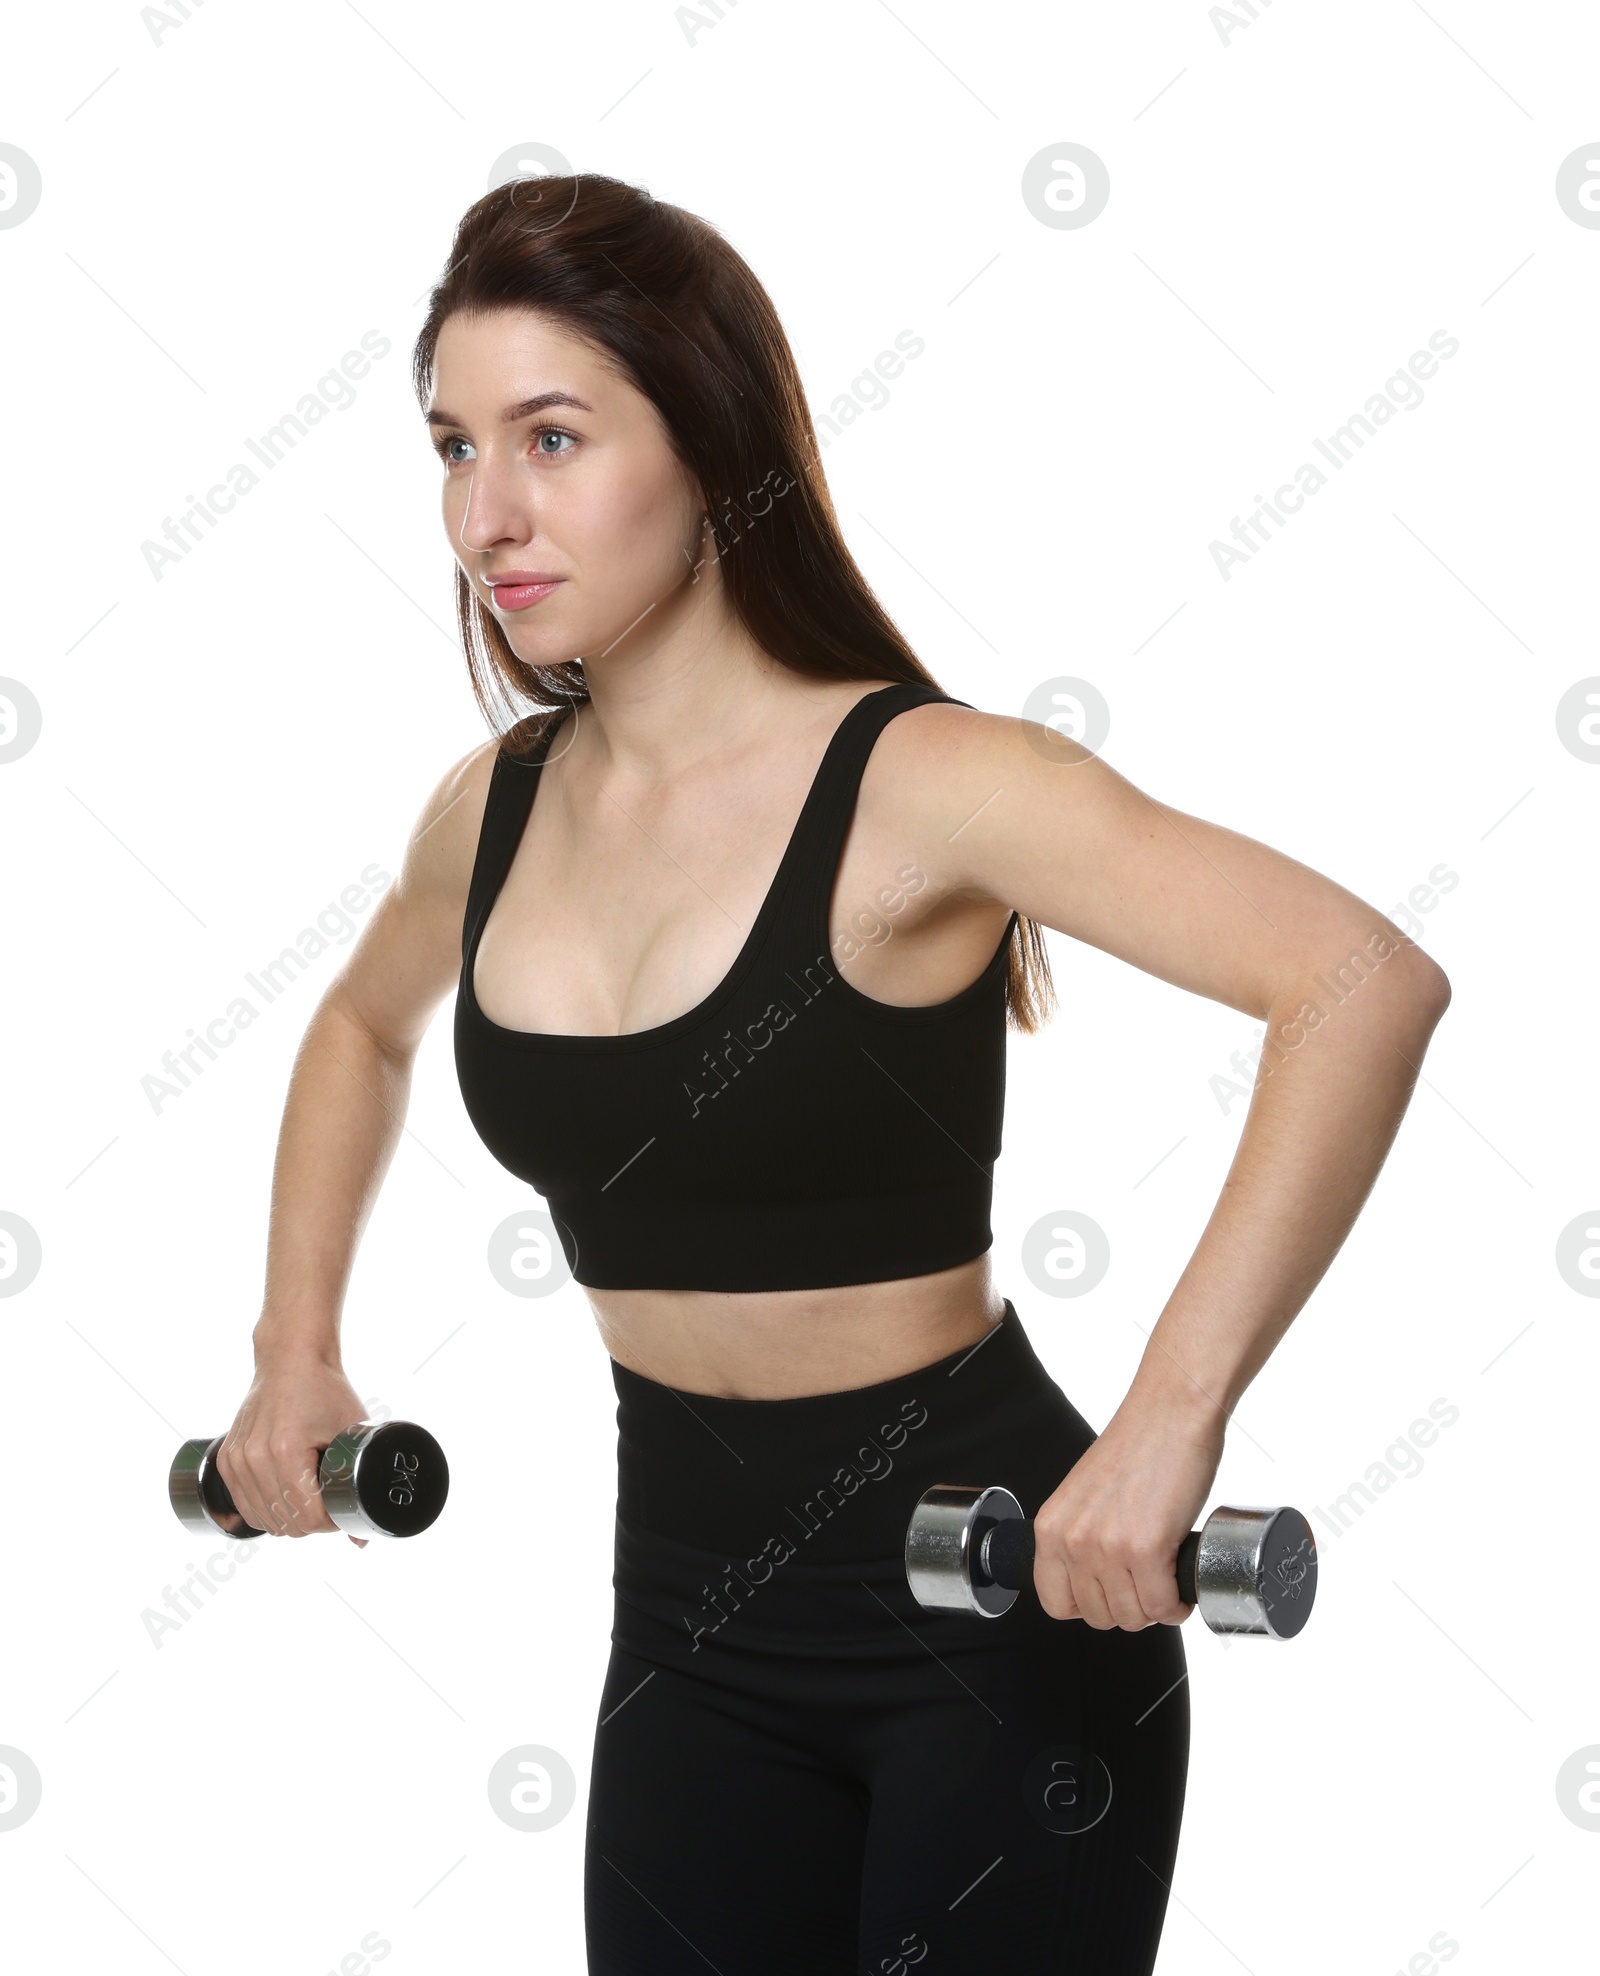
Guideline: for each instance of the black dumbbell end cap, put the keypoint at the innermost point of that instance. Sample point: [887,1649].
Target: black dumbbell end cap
[386,1479]
[1288,1574]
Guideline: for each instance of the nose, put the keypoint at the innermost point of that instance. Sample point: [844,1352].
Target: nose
[497,506]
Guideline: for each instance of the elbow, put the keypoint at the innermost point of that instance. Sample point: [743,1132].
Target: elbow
[1434,988]
[1427,989]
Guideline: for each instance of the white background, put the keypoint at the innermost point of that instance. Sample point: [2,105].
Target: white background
[1297,204]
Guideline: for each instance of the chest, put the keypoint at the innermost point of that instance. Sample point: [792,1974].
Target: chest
[613,919]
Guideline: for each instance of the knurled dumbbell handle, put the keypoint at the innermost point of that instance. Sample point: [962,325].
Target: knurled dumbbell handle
[1008,1554]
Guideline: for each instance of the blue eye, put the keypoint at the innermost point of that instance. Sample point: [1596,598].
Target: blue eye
[542,433]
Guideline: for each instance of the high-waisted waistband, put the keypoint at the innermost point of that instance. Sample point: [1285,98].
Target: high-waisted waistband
[726,1473]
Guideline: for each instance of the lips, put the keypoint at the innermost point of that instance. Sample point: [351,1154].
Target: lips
[515,590]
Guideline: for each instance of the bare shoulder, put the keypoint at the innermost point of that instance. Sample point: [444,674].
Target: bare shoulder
[444,837]
[939,735]
[1009,809]
[936,771]
[443,841]
[1012,810]
[409,954]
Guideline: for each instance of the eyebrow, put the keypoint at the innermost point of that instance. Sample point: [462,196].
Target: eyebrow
[525,409]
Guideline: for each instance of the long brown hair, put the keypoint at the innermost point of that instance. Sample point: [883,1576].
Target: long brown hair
[684,319]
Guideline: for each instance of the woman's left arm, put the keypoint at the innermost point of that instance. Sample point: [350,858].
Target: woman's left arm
[1350,1004]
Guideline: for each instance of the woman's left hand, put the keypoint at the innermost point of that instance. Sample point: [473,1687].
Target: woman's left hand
[1105,1545]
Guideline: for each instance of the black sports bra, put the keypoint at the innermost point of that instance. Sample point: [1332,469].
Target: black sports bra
[786,1133]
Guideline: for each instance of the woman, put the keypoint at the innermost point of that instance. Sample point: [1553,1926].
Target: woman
[732,997]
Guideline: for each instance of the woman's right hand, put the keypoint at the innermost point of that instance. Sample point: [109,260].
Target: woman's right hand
[270,1456]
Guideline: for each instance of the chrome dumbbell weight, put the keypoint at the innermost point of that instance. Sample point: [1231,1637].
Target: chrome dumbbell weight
[378,1478]
[1248,1570]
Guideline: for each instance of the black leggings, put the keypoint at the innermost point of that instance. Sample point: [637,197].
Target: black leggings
[798,1769]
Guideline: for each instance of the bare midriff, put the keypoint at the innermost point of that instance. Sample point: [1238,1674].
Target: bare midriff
[784,1344]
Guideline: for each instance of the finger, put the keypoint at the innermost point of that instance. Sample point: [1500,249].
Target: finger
[274,1508]
[305,1512]
[269,1467]
[362,1541]
[271,1516]
[244,1476]
[1156,1588]
[1091,1600]
[1122,1597]
[271,1506]
[297,1506]
[1051,1584]
[232,1481]
[1055,1595]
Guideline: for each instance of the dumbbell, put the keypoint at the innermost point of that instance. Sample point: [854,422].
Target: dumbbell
[1248,1570]
[379,1479]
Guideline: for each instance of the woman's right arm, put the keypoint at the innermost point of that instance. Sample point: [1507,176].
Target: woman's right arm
[342,1120]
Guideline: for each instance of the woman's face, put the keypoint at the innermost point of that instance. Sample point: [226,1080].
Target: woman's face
[558,470]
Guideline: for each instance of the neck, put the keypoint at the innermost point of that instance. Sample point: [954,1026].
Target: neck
[696,687]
